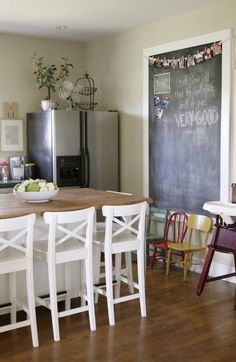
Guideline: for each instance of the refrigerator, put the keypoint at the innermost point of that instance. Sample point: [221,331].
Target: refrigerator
[75,148]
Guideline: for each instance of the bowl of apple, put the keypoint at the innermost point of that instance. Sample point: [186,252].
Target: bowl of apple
[34,191]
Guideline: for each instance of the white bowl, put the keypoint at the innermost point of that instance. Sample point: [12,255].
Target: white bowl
[33,197]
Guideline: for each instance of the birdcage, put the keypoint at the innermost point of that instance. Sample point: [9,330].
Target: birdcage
[87,89]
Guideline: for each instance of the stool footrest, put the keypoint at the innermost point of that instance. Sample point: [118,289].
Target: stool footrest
[212,279]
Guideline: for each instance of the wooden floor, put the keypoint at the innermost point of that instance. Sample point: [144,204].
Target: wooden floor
[179,327]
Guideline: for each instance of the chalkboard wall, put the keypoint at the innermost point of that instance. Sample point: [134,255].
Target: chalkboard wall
[184,133]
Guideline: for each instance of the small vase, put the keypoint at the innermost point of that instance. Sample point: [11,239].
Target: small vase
[48,104]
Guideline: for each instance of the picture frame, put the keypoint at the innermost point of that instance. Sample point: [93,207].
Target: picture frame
[11,135]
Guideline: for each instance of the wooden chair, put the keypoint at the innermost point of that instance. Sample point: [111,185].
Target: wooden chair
[122,236]
[156,228]
[175,232]
[16,255]
[223,241]
[200,225]
[69,239]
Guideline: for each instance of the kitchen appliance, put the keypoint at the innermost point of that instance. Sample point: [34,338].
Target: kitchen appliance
[17,167]
[75,148]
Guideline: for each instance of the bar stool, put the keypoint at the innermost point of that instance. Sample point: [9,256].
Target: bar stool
[69,239]
[16,255]
[127,270]
[121,237]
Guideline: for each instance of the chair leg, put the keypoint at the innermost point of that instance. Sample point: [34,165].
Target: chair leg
[186,264]
[168,262]
[204,274]
[109,288]
[90,291]
[154,257]
[12,283]
[53,300]
[141,282]
[31,306]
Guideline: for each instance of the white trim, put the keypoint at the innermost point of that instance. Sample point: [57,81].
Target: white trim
[225,37]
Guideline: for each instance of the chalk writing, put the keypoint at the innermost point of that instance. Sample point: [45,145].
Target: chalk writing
[192,95]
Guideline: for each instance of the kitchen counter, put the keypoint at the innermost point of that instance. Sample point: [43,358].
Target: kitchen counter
[66,200]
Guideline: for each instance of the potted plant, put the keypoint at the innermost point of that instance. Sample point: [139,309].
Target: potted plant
[49,77]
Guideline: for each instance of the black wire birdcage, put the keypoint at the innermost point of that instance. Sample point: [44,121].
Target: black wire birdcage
[87,89]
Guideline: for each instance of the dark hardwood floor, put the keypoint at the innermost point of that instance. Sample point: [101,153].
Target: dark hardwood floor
[179,327]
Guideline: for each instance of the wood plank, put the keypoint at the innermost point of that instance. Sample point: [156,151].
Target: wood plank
[178,327]
[66,200]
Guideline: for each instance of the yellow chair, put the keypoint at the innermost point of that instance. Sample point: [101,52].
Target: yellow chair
[200,226]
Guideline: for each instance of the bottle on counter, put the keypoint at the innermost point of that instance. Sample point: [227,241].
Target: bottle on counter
[4,167]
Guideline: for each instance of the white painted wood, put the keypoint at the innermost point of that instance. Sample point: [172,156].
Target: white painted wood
[69,240]
[16,255]
[128,235]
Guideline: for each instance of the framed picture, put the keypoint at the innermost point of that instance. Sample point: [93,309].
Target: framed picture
[11,135]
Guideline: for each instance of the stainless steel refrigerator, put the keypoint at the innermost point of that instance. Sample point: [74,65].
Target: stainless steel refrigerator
[75,148]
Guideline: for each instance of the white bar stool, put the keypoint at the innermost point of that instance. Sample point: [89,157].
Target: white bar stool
[16,255]
[69,239]
[122,236]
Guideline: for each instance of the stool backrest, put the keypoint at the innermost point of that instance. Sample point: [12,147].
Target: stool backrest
[68,225]
[123,219]
[17,233]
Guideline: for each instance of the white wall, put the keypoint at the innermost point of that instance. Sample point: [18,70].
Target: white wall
[116,64]
[16,72]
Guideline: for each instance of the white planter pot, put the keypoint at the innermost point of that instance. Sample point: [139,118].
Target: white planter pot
[46,105]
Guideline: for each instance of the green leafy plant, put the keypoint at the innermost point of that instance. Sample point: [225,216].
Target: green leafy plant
[50,76]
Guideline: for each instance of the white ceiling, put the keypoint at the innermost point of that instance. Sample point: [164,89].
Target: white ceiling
[86,19]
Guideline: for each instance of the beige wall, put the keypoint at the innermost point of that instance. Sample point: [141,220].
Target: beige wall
[116,64]
[16,68]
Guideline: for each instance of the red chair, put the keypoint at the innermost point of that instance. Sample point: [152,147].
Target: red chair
[175,232]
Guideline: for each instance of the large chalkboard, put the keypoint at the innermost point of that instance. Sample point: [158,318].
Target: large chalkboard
[184,140]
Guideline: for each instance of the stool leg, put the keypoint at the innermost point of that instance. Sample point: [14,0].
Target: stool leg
[128,263]
[109,288]
[67,286]
[53,300]
[204,273]
[90,297]
[12,283]
[141,281]
[31,305]
[118,258]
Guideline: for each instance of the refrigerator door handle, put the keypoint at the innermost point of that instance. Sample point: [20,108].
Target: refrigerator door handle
[82,150]
[87,157]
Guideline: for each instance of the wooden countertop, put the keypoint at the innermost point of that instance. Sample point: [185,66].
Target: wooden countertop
[66,200]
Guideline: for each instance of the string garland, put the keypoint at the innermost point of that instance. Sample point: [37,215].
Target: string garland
[187,61]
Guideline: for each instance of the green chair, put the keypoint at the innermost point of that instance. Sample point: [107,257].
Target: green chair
[156,227]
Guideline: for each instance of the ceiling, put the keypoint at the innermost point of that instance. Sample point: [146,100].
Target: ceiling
[86,20]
